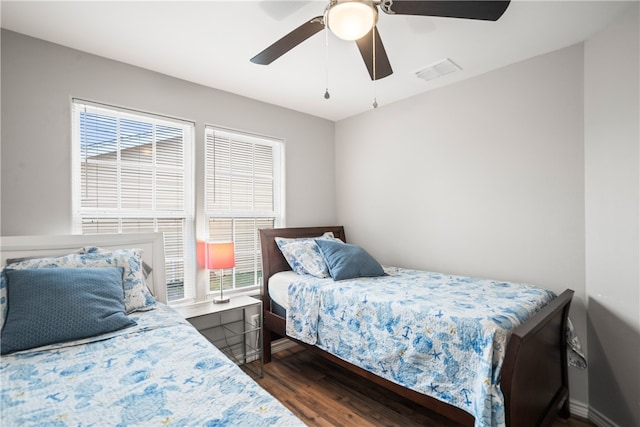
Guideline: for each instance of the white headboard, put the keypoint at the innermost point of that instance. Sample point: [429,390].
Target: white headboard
[152,245]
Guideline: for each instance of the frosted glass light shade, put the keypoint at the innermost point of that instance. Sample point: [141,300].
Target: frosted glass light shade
[351,20]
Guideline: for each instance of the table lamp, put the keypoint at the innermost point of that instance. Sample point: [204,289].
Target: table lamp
[220,256]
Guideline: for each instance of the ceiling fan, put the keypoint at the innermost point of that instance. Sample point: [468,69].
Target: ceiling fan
[355,20]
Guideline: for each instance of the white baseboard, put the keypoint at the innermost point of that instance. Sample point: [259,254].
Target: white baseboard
[599,419]
[581,409]
[578,408]
[281,344]
[253,354]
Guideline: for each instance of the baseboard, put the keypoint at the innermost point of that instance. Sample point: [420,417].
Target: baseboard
[579,409]
[281,344]
[599,419]
[254,354]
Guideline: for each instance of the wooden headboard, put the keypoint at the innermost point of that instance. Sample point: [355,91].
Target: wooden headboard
[272,260]
[152,245]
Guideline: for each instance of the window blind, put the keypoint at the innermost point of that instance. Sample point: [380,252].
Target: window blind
[133,173]
[243,193]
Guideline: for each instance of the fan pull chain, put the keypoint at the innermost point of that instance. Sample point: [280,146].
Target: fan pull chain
[326,62]
[375,92]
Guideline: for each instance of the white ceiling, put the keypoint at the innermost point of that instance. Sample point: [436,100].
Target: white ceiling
[211,42]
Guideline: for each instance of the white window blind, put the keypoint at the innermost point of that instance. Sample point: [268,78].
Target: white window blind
[243,193]
[132,172]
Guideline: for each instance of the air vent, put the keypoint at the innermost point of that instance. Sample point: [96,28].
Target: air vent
[437,69]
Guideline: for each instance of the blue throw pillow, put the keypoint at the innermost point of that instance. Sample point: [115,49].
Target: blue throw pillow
[347,261]
[51,305]
[136,294]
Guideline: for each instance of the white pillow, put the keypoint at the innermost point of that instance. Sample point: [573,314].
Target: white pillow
[303,255]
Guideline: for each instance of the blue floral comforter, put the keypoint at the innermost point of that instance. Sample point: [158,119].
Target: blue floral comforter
[160,372]
[441,335]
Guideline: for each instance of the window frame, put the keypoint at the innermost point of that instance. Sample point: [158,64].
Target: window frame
[278,175]
[119,214]
[196,217]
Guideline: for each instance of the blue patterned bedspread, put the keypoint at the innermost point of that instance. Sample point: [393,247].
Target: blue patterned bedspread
[440,335]
[160,372]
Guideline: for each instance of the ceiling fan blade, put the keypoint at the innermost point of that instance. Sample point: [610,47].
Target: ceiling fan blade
[484,10]
[288,42]
[365,45]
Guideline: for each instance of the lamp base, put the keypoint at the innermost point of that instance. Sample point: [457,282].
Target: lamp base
[221,299]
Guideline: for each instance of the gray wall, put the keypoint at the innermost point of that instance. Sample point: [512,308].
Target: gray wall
[38,81]
[488,177]
[612,166]
[528,173]
[481,178]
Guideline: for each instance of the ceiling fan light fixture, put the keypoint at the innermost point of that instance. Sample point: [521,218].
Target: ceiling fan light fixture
[351,20]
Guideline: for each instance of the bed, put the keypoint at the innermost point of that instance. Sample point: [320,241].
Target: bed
[154,368]
[524,382]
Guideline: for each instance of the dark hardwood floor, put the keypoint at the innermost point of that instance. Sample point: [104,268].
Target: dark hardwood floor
[323,394]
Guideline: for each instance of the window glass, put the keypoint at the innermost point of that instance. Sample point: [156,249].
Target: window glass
[132,174]
[242,195]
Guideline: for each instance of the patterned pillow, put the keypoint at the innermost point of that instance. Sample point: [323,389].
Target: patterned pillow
[303,255]
[51,305]
[136,295]
[146,268]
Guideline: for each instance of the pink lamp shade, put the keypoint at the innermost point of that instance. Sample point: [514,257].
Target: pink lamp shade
[220,256]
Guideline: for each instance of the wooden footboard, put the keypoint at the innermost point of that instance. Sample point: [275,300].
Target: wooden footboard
[535,380]
[534,374]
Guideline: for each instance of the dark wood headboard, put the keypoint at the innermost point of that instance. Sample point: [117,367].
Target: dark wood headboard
[273,262]
[272,259]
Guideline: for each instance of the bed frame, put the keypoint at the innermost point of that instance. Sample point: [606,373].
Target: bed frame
[534,379]
[152,245]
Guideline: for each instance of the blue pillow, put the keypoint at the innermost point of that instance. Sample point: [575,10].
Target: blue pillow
[51,305]
[347,261]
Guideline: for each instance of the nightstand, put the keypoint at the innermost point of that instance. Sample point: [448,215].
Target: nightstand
[234,327]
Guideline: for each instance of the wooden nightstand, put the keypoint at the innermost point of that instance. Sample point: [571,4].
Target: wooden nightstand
[234,327]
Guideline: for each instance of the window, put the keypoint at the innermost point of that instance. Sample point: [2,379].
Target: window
[133,173]
[242,195]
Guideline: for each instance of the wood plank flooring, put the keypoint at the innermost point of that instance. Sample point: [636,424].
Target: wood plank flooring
[323,394]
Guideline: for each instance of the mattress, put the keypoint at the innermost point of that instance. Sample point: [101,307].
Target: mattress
[279,287]
[159,372]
